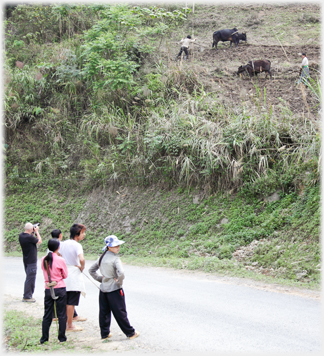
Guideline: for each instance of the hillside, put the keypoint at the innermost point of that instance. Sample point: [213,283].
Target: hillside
[278,33]
[193,165]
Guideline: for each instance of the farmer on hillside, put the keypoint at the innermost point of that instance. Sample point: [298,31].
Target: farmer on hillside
[185,46]
[55,271]
[72,252]
[57,234]
[28,243]
[112,296]
[304,70]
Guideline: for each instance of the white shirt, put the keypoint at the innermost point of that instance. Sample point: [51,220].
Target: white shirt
[185,42]
[304,62]
[70,251]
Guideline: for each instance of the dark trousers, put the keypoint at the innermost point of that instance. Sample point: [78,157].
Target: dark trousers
[74,314]
[185,50]
[48,313]
[113,302]
[29,287]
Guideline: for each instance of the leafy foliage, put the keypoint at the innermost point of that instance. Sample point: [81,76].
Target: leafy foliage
[95,104]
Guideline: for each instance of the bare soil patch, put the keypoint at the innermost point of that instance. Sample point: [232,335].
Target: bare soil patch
[87,340]
[276,32]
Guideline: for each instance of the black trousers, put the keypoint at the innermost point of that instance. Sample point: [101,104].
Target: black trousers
[29,287]
[49,310]
[185,50]
[113,302]
[74,314]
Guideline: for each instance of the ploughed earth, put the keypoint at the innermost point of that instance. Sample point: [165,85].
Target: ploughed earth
[217,70]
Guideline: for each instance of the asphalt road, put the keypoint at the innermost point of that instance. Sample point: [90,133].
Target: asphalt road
[193,312]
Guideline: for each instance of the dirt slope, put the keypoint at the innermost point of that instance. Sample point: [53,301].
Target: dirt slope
[279,33]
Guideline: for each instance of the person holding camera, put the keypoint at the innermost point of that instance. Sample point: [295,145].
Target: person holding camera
[28,242]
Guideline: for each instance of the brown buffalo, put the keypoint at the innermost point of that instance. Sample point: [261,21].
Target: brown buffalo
[255,67]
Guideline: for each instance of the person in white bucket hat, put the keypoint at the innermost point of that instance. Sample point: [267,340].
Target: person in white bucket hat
[111,296]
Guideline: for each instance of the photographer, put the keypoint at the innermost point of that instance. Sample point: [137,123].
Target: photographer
[28,243]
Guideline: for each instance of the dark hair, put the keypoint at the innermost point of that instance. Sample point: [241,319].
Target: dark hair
[76,230]
[101,257]
[304,54]
[56,233]
[188,36]
[53,245]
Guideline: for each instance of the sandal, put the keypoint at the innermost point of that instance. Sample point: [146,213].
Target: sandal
[134,336]
[76,328]
[79,318]
[107,337]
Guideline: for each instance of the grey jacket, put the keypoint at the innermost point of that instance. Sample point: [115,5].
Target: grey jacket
[110,268]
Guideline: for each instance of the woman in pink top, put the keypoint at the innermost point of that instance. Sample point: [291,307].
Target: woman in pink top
[58,271]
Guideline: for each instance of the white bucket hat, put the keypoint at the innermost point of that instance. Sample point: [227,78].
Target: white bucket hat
[112,241]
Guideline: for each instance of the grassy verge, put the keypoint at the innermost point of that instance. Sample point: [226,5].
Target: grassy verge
[218,267]
[222,233]
[22,334]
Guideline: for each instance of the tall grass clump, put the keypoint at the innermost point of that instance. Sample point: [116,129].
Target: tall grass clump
[105,108]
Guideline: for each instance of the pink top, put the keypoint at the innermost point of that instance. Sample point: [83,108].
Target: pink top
[58,272]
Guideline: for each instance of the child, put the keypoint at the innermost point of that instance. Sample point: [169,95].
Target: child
[58,271]
[111,297]
[185,46]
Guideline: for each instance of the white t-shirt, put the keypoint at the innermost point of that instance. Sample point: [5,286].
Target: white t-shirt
[304,62]
[186,41]
[70,251]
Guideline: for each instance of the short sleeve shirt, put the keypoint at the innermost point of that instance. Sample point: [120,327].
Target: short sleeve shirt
[70,251]
[304,62]
[186,42]
[28,245]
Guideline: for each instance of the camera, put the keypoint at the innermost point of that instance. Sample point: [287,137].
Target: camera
[34,226]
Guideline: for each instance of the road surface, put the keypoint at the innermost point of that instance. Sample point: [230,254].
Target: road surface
[196,312]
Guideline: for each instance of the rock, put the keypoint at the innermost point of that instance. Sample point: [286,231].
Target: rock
[127,222]
[195,199]
[250,268]
[272,198]
[38,76]
[224,221]
[113,130]
[19,64]
[301,275]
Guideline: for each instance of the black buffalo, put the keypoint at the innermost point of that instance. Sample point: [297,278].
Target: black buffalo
[240,37]
[255,67]
[231,35]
